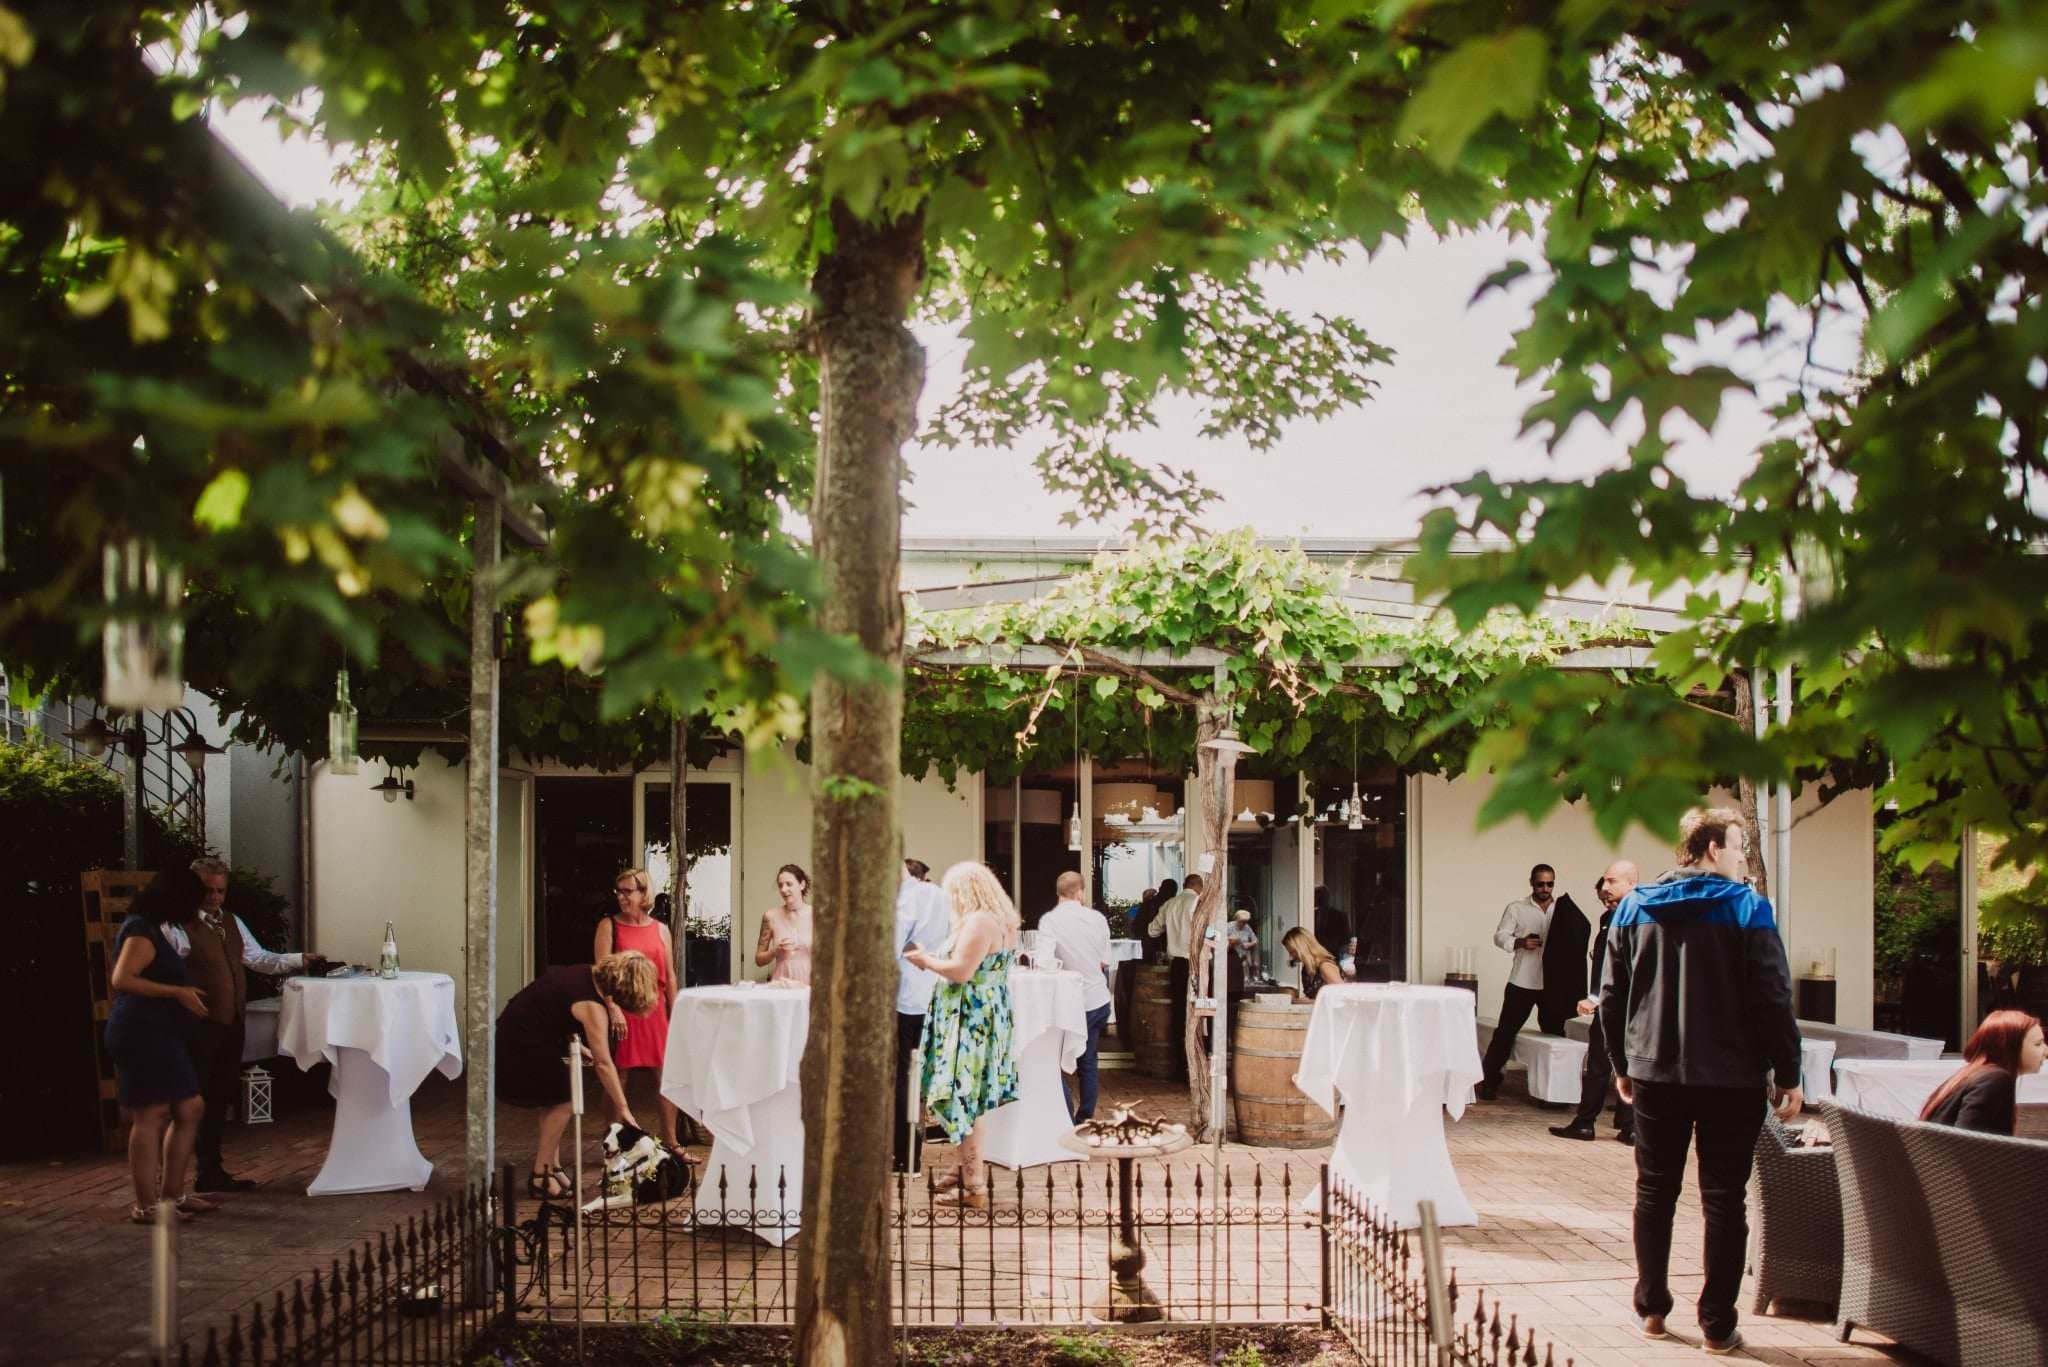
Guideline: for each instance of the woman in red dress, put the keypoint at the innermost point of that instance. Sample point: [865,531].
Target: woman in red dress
[641,1041]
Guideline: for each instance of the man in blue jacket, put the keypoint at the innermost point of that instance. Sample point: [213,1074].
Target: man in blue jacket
[1697,1000]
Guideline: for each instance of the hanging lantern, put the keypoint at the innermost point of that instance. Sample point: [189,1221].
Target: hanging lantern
[1354,810]
[1074,829]
[341,729]
[143,641]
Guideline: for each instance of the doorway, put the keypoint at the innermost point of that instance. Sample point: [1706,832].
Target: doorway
[582,837]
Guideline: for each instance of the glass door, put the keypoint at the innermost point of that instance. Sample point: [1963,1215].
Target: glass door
[711,870]
[582,837]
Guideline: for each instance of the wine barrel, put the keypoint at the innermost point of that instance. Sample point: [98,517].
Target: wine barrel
[1157,1053]
[1265,1053]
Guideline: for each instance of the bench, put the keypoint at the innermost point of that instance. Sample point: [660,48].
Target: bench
[1816,1058]
[1851,1042]
[1553,1063]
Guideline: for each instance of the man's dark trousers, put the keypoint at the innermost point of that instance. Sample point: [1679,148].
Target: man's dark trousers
[1085,1069]
[1514,1014]
[909,1032]
[216,1054]
[1593,1079]
[1177,984]
[1725,1120]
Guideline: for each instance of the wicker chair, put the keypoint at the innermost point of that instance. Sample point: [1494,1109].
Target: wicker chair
[1796,1241]
[1942,1245]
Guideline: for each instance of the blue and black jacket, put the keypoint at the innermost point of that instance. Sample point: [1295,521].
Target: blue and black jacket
[1697,982]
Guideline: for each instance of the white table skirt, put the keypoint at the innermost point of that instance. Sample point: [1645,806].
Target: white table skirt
[1120,950]
[1050,1031]
[383,1037]
[1398,1056]
[1899,1087]
[1816,1069]
[735,1055]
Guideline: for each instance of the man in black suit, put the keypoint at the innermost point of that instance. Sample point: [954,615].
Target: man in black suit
[1598,1071]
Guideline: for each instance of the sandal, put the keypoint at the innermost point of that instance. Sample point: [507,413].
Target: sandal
[146,1215]
[964,1197]
[949,1182]
[191,1203]
[550,1184]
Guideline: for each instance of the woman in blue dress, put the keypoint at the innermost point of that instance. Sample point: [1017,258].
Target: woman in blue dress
[969,1068]
[155,1008]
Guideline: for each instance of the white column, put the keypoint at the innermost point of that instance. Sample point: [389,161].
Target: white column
[1966,884]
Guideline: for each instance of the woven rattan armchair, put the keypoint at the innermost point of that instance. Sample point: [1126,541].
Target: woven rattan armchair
[1942,1246]
[1796,1242]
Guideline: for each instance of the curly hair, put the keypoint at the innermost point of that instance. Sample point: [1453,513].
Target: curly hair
[971,887]
[628,978]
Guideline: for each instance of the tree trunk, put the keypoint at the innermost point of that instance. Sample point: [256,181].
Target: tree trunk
[871,371]
[678,843]
[1745,787]
[1215,773]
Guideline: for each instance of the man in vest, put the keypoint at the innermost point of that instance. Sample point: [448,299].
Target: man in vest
[218,950]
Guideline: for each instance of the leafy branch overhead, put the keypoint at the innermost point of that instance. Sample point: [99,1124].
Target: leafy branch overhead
[1313,675]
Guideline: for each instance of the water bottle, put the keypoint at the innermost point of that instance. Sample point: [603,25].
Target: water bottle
[387,962]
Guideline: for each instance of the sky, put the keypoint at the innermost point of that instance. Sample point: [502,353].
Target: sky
[1446,407]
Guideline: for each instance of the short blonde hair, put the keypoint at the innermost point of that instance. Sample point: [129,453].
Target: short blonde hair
[628,978]
[971,887]
[641,881]
[1702,827]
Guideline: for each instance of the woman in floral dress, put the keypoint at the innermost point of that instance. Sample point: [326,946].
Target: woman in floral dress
[968,1066]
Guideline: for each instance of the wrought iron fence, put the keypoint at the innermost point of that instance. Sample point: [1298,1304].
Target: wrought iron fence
[1395,1302]
[417,1296]
[1045,1252]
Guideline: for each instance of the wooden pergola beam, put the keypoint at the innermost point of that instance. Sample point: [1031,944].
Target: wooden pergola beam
[1208,657]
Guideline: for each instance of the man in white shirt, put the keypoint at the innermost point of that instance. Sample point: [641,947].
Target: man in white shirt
[922,919]
[1175,922]
[215,1045]
[1523,926]
[1080,935]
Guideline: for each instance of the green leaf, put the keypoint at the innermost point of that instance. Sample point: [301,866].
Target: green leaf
[221,502]
[1105,687]
[1481,78]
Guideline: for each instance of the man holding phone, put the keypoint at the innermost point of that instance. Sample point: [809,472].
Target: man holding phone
[1523,926]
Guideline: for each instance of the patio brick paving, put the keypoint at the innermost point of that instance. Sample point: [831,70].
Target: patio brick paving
[1552,1243]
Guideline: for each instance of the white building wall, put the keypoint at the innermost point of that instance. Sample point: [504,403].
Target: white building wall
[376,861]
[1465,877]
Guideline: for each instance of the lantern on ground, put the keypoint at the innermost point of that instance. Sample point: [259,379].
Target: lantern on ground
[256,1095]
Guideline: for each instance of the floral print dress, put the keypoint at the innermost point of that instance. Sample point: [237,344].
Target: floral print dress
[969,1069]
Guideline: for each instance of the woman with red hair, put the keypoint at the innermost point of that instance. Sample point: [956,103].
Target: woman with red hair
[1981,1096]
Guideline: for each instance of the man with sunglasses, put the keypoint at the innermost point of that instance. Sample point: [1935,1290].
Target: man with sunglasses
[1524,926]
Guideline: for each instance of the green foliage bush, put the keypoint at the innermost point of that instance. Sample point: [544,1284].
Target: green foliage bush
[1910,911]
[1087,1350]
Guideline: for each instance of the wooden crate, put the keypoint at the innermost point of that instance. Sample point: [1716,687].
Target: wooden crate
[107,895]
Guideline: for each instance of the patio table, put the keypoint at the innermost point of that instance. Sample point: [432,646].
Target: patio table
[1049,1032]
[734,1058]
[383,1036]
[1899,1087]
[1396,1056]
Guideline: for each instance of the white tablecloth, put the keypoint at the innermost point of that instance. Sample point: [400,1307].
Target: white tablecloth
[259,1029]
[733,1062]
[1120,950]
[1398,1056]
[1899,1087]
[1554,1063]
[1816,1069]
[1051,1030]
[383,1037]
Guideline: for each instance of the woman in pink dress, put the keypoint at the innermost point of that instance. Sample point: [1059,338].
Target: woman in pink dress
[641,1041]
[786,930]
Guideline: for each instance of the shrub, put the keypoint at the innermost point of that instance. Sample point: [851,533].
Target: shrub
[1087,1350]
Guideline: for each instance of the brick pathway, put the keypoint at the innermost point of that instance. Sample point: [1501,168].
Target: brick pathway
[1553,1242]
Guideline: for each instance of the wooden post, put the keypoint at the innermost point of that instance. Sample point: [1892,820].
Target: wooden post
[1215,774]
[480,852]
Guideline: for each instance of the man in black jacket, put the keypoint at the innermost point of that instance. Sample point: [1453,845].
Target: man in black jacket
[1697,1004]
[1597,1073]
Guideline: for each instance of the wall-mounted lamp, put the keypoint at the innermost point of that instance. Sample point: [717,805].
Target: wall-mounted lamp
[392,786]
[194,749]
[95,737]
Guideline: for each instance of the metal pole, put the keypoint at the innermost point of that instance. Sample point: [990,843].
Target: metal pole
[163,1285]
[576,1195]
[1781,819]
[1966,883]
[480,854]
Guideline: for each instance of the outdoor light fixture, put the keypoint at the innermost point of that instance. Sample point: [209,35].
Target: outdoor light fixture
[391,787]
[194,749]
[341,729]
[143,641]
[1354,810]
[1228,743]
[1076,838]
[94,737]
